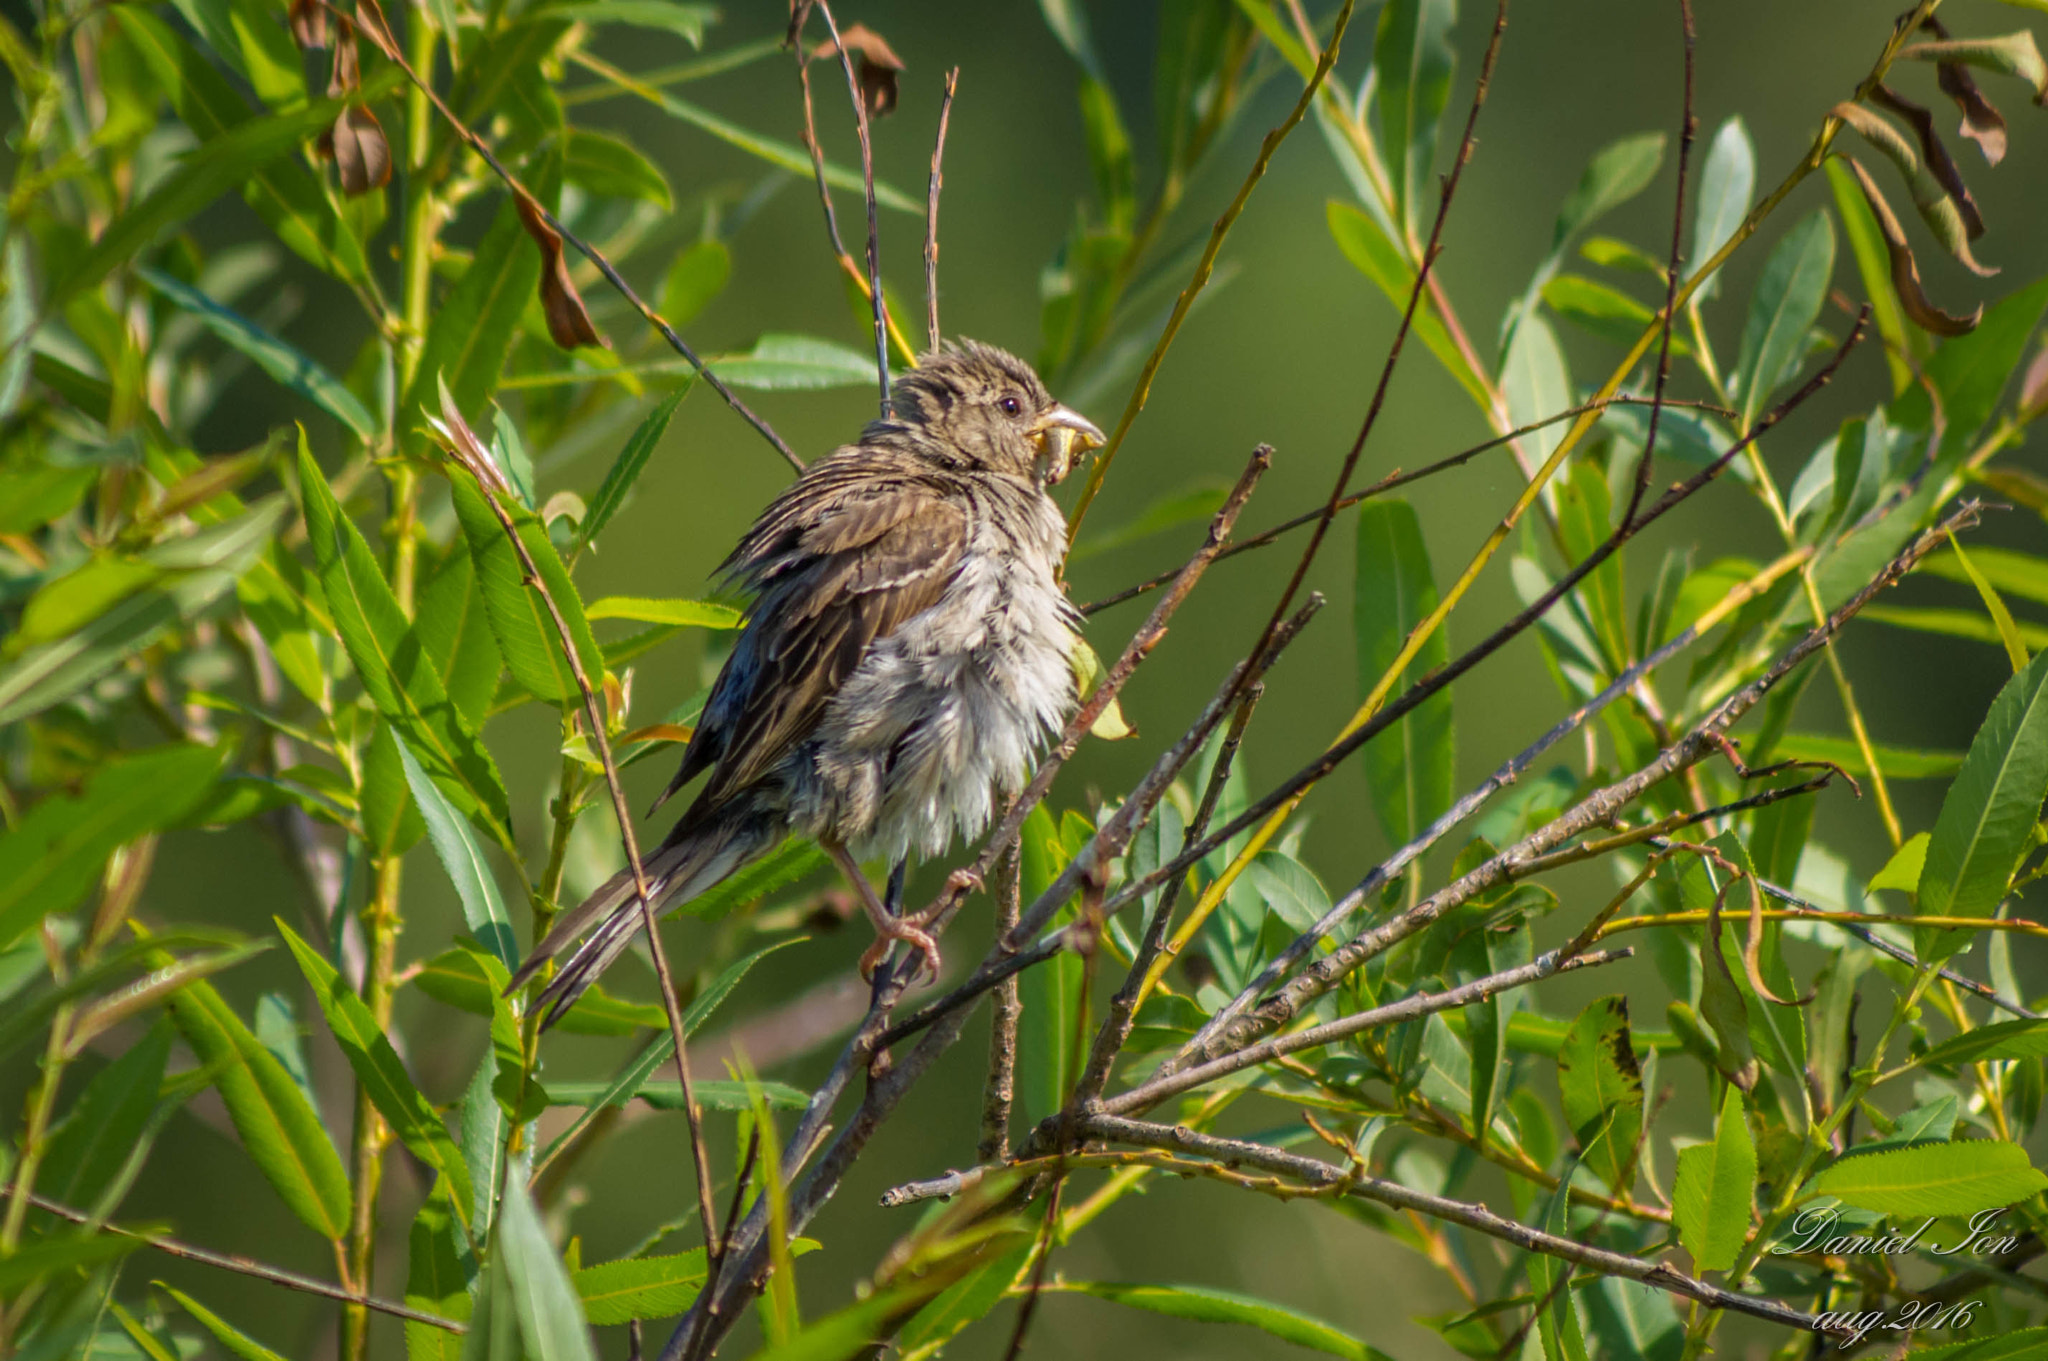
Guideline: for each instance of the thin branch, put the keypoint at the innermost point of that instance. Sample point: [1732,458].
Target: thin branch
[472,457]
[867,180]
[1397,478]
[1204,267]
[998,1093]
[931,213]
[1328,1180]
[243,1266]
[1142,1098]
[370,17]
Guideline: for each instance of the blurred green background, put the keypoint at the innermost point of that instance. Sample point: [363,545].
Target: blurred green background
[1285,353]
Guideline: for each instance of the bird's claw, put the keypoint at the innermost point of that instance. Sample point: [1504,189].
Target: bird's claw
[920,941]
[966,879]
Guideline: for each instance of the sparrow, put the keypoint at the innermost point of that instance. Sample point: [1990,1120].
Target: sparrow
[907,654]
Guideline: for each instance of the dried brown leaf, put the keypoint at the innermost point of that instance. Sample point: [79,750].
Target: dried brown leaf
[2034,387]
[362,155]
[309,24]
[1905,273]
[1937,209]
[345,75]
[1982,123]
[2015,54]
[1939,163]
[876,69]
[465,448]
[2015,484]
[569,323]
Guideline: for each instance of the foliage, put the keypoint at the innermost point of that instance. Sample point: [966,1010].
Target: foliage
[313,636]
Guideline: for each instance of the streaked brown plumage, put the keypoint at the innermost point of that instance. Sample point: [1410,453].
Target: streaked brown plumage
[907,654]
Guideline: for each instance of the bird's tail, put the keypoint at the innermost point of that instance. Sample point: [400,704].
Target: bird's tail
[691,861]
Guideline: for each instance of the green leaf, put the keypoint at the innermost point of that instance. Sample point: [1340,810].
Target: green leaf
[1898,763]
[1368,247]
[549,1314]
[698,275]
[1168,512]
[1970,372]
[610,167]
[2001,617]
[275,1122]
[1873,266]
[47,1259]
[1602,1088]
[796,363]
[2016,1346]
[56,852]
[625,470]
[1045,1037]
[434,1279]
[1557,1321]
[380,1070]
[2020,574]
[219,164]
[1711,1202]
[1413,59]
[1206,1305]
[455,632]
[1967,624]
[966,1301]
[712,1094]
[458,978]
[1987,818]
[390,661]
[702,614]
[1958,1178]
[88,1150]
[1726,183]
[1411,768]
[2021,1039]
[639,1287]
[526,631]
[462,855]
[686,21]
[290,366]
[1536,383]
[473,328]
[1783,309]
[229,1336]
[1607,312]
[1617,173]
[776,153]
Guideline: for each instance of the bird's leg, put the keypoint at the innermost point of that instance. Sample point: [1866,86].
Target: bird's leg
[888,927]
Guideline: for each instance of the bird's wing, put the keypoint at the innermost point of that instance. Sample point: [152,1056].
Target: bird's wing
[835,580]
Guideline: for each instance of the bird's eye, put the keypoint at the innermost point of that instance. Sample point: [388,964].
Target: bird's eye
[1011,406]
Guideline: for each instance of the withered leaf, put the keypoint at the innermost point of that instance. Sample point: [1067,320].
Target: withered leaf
[344,76]
[2034,387]
[876,70]
[362,155]
[1937,209]
[1982,123]
[569,323]
[309,24]
[2015,54]
[1905,273]
[1939,163]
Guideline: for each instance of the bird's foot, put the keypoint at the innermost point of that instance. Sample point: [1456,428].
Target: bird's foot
[919,940]
[965,880]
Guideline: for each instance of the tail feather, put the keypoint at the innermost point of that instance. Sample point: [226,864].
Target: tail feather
[681,869]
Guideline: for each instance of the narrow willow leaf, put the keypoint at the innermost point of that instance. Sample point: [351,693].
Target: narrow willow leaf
[1936,206]
[482,1127]
[1536,382]
[1711,1202]
[698,275]
[1557,1321]
[51,1257]
[1970,624]
[277,1125]
[703,614]
[1602,1089]
[389,660]
[2022,1039]
[1905,286]
[462,855]
[56,851]
[2001,617]
[461,979]
[525,628]
[1726,183]
[2020,574]
[1045,1036]
[966,1301]
[434,1279]
[2014,54]
[625,470]
[2015,1346]
[796,363]
[1607,312]
[1413,59]
[1932,1179]
[1617,173]
[1168,512]
[713,1094]
[612,167]
[286,363]
[1987,819]
[1367,246]
[455,631]
[1973,371]
[776,153]
[639,1287]
[1903,870]
[234,1339]
[549,1314]
[107,1120]
[1783,309]
[1412,768]
[1206,1305]
[380,1070]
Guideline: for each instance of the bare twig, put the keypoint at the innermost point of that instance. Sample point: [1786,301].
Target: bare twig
[470,454]
[244,1266]
[931,214]
[999,1092]
[867,179]
[1231,1153]
[370,16]
[1204,267]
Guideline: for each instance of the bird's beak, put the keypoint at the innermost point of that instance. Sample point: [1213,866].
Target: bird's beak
[1063,436]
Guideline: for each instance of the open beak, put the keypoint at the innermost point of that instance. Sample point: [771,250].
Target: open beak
[1063,438]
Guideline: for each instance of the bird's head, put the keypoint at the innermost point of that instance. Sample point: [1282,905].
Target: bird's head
[987,406]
